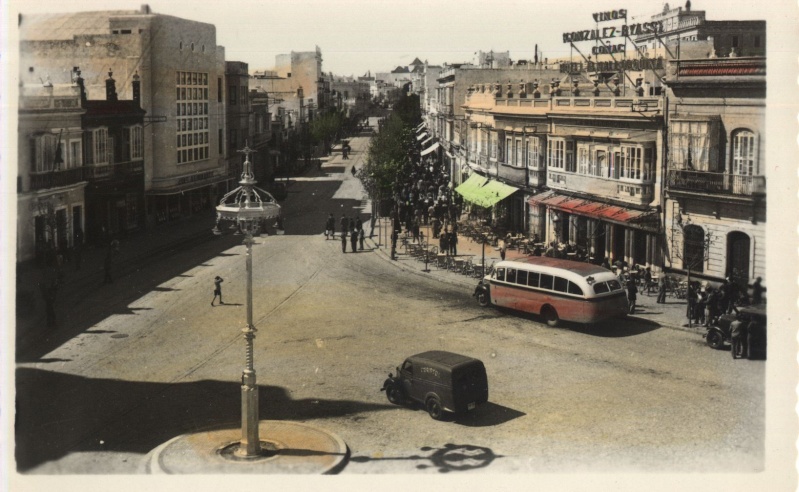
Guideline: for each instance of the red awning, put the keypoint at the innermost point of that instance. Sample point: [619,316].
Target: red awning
[642,219]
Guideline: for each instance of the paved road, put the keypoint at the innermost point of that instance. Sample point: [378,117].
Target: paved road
[155,360]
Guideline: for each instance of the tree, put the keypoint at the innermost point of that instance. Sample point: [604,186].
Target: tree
[388,156]
[691,244]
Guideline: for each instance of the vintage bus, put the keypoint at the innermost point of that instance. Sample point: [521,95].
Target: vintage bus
[555,289]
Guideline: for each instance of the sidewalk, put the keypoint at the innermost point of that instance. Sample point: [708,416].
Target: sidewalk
[135,251]
[668,315]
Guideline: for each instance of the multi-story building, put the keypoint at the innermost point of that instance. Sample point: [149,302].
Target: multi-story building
[237,118]
[715,187]
[113,160]
[182,71]
[51,202]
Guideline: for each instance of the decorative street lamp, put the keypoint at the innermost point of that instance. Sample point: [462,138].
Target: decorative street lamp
[248,207]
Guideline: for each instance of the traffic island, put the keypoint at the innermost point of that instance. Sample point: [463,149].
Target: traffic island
[286,448]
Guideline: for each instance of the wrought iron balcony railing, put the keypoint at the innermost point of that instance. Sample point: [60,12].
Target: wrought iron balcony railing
[711,182]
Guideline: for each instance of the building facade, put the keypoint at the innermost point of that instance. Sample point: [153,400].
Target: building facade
[715,186]
[182,71]
[51,203]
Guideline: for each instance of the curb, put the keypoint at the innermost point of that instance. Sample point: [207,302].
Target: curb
[463,283]
[297,448]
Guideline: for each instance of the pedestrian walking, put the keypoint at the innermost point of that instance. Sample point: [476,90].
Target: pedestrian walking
[345,224]
[354,238]
[78,248]
[344,240]
[690,295]
[110,259]
[661,289]
[632,293]
[217,290]
[648,280]
[361,237]
[757,291]
[330,227]
[49,294]
[503,248]
[452,239]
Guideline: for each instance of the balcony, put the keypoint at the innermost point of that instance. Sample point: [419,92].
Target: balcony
[536,177]
[55,179]
[716,183]
[116,170]
[630,191]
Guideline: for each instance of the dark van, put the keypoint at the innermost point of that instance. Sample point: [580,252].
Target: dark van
[441,381]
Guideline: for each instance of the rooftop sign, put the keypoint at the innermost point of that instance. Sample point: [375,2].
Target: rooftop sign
[611,32]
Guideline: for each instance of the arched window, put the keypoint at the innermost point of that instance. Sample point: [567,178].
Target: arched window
[744,153]
[693,257]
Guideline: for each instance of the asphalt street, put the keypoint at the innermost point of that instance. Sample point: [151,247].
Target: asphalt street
[149,359]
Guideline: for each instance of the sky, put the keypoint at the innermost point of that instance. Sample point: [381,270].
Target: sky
[360,35]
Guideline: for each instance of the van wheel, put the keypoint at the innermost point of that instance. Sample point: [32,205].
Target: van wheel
[394,394]
[550,316]
[482,299]
[433,407]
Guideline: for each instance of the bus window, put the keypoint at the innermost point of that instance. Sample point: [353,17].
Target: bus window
[561,284]
[575,289]
[614,285]
[500,274]
[546,281]
[532,279]
[601,288]
[521,277]
[510,275]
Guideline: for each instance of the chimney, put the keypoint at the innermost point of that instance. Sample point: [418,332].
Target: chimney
[136,89]
[110,87]
[79,82]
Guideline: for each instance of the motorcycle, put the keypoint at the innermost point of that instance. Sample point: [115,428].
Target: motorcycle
[482,293]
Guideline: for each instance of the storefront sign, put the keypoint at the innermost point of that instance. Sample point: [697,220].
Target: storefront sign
[196,177]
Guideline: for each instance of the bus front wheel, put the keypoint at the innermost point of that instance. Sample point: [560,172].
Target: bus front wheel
[550,316]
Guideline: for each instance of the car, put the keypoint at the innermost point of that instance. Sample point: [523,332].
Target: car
[441,381]
[754,346]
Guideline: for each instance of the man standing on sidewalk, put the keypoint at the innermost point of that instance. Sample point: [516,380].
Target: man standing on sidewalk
[345,226]
[661,289]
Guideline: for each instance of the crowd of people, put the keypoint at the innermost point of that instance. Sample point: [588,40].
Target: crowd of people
[351,229]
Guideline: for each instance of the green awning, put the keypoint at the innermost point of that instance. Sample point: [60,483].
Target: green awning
[484,192]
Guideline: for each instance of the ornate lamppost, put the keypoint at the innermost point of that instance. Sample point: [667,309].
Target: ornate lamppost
[248,207]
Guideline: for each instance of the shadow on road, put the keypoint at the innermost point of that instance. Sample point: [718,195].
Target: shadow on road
[449,458]
[488,415]
[58,414]
[616,328]
[82,306]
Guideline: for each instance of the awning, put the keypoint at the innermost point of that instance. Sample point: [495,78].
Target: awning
[429,149]
[421,128]
[422,136]
[643,219]
[420,125]
[484,192]
[427,141]
[449,155]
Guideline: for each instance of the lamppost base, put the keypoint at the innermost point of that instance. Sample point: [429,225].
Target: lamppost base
[290,448]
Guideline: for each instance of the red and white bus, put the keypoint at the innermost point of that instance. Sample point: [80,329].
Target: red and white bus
[556,289]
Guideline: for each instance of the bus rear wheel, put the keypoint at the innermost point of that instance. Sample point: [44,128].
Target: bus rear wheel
[550,316]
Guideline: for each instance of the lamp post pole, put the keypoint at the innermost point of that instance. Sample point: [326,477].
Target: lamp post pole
[248,207]
[250,442]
